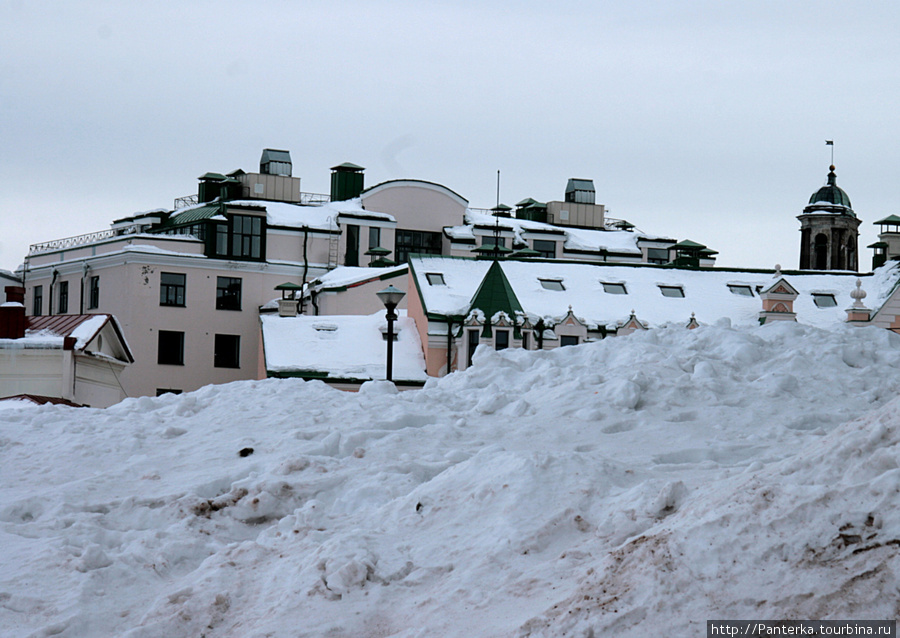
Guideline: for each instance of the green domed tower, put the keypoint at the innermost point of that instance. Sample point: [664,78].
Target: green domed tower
[829,230]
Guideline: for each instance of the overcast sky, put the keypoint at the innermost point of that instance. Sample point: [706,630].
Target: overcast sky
[699,120]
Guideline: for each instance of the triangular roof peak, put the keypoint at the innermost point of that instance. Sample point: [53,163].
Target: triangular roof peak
[495,294]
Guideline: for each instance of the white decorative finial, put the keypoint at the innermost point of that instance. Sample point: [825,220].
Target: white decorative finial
[858,295]
[777,270]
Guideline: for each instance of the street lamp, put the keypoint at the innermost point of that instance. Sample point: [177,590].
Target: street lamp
[390,297]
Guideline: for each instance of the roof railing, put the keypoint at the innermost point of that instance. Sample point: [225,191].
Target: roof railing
[71,242]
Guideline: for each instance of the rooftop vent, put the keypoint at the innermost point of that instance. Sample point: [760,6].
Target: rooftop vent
[275,162]
[581,191]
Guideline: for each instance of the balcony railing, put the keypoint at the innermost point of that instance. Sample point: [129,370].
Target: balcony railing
[71,242]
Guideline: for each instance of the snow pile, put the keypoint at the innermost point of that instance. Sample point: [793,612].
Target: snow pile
[648,481]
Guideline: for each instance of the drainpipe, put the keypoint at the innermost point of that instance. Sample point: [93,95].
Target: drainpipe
[305,265]
[85,269]
[449,344]
[50,291]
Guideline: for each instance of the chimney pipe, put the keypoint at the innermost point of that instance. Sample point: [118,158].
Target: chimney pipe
[12,314]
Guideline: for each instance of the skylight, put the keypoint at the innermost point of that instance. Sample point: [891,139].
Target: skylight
[614,289]
[435,279]
[824,300]
[672,291]
[552,284]
[740,289]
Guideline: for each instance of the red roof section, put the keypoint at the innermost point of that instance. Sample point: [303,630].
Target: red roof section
[61,325]
[41,400]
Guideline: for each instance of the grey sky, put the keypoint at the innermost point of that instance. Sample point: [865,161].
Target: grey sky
[700,120]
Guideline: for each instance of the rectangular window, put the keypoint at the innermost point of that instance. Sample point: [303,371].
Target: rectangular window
[490,240]
[37,306]
[62,306]
[246,237]
[471,344]
[416,241]
[170,351]
[568,340]
[501,339]
[94,293]
[228,293]
[222,240]
[824,300]
[374,237]
[227,352]
[162,391]
[657,256]
[546,248]
[525,340]
[352,256]
[672,291]
[614,289]
[743,291]
[552,284]
[435,279]
[171,289]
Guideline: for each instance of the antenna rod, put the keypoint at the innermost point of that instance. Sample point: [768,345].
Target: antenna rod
[831,144]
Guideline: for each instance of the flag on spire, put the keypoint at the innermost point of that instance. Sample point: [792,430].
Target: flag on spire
[829,142]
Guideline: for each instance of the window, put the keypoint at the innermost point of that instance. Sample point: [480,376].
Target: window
[490,240]
[246,237]
[657,255]
[568,340]
[737,289]
[38,302]
[162,391]
[228,351]
[171,289]
[525,340]
[614,289]
[471,344]
[546,248]
[63,306]
[501,339]
[374,237]
[672,291]
[823,300]
[222,240]
[228,293]
[416,241]
[352,256]
[552,284]
[171,348]
[94,293]
[435,279]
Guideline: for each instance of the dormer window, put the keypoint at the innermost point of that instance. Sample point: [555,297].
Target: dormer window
[741,290]
[435,279]
[614,289]
[672,291]
[824,300]
[552,284]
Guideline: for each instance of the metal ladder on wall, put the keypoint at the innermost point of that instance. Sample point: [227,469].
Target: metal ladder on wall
[333,245]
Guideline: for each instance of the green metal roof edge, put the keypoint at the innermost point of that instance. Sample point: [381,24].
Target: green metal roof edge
[419,181]
[890,219]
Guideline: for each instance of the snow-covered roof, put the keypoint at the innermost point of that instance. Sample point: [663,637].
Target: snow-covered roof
[349,276]
[341,346]
[286,215]
[50,331]
[582,239]
[706,292]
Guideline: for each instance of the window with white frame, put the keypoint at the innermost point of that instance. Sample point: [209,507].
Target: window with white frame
[614,288]
[552,284]
[672,291]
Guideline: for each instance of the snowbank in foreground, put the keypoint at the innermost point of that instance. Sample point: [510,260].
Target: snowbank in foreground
[652,481]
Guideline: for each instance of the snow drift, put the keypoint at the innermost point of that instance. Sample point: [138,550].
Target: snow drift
[650,481]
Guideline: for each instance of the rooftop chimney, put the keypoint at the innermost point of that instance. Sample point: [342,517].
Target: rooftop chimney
[581,191]
[12,314]
[346,181]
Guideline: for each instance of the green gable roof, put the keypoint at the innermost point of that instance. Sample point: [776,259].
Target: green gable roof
[495,294]
[194,215]
[890,219]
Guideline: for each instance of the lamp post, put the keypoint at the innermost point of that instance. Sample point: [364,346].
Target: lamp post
[390,297]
